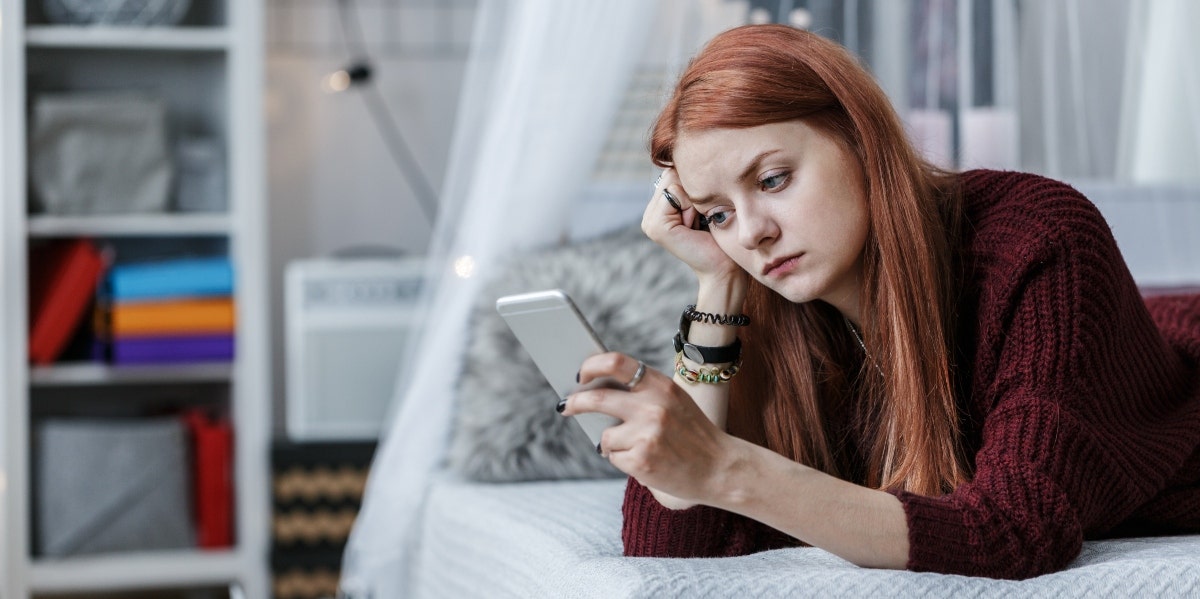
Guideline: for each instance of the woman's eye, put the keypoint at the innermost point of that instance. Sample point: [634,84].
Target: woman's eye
[772,182]
[717,218]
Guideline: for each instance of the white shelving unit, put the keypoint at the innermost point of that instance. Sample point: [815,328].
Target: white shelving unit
[158,225]
[189,39]
[209,72]
[86,374]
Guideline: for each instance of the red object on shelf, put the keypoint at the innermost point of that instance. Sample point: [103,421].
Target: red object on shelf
[63,277]
[212,471]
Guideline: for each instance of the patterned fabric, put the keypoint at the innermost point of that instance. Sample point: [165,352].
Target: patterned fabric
[561,539]
[1085,399]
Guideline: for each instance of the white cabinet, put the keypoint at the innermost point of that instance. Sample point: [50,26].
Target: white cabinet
[208,70]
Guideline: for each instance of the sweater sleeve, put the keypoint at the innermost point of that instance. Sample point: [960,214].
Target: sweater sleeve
[652,530]
[1085,413]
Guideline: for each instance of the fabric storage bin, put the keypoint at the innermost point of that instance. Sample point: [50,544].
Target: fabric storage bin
[116,12]
[100,153]
[111,485]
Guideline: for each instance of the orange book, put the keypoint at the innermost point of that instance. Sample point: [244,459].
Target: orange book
[176,317]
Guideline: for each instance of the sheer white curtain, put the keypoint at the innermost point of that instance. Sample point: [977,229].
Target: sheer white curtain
[544,81]
[1110,89]
[1160,117]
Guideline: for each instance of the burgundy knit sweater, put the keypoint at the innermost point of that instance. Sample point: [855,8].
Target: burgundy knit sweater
[1081,402]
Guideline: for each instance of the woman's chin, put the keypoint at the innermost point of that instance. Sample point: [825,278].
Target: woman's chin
[793,291]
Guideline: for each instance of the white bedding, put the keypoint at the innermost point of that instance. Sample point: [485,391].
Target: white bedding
[562,539]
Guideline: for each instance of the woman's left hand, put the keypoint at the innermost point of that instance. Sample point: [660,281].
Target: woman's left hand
[665,440]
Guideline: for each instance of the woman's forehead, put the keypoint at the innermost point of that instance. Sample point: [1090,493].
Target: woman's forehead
[724,154]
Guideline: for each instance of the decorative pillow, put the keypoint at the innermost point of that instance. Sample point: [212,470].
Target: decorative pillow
[506,429]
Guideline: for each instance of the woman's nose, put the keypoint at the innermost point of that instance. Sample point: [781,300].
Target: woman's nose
[755,227]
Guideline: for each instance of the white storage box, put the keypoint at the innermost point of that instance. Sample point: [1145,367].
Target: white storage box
[349,323]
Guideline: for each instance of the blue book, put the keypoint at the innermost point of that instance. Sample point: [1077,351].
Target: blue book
[192,277]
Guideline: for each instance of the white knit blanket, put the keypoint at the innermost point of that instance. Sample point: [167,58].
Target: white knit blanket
[562,539]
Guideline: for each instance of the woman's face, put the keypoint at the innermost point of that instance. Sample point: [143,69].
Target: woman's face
[786,202]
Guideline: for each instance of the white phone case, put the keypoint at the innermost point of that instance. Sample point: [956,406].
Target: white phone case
[558,337]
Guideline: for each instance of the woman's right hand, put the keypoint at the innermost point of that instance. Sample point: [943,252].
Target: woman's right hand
[679,233]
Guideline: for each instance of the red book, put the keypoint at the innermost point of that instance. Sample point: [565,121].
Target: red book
[212,451]
[62,282]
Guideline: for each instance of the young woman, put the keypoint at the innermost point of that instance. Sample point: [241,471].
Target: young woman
[906,367]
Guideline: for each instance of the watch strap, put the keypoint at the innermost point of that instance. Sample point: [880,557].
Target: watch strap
[701,354]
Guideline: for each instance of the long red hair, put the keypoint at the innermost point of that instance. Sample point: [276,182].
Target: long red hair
[796,392]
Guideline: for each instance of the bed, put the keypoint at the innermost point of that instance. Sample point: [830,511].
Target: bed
[562,539]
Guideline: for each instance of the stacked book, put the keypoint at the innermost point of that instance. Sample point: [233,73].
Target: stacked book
[170,311]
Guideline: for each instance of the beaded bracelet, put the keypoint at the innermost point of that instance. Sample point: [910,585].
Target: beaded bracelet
[731,320]
[705,375]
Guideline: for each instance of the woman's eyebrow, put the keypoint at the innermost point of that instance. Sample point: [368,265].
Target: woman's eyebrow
[747,173]
[754,164]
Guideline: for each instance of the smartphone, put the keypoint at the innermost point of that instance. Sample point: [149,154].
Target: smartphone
[558,338]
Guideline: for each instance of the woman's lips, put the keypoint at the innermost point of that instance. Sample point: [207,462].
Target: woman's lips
[781,267]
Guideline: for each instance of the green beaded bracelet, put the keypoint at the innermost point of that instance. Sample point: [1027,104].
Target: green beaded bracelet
[705,375]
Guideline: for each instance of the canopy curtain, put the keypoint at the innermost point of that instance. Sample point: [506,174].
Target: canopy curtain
[543,83]
[1160,114]
[1110,89]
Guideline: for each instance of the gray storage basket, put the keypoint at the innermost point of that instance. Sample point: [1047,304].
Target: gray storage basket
[100,153]
[112,485]
[115,12]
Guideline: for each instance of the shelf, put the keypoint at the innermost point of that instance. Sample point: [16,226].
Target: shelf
[136,570]
[131,225]
[207,71]
[180,39]
[64,375]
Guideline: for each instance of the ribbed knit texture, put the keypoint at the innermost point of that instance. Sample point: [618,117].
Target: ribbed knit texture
[1083,404]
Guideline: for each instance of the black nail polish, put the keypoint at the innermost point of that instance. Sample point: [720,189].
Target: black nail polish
[576,377]
[598,450]
[562,405]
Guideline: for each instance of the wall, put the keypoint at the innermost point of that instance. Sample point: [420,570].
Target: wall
[333,184]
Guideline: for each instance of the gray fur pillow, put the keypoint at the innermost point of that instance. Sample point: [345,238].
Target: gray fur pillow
[506,429]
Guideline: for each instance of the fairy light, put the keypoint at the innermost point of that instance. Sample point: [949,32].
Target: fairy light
[337,81]
[464,267]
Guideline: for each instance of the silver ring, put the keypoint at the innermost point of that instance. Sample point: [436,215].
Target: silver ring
[672,201]
[637,376]
[657,181]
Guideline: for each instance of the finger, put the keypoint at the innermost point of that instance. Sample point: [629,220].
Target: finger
[667,186]
[614,365]
[659,181]
[616,439]
[682,204]
[612,402]
[666,194]
[660,214]
[690,217]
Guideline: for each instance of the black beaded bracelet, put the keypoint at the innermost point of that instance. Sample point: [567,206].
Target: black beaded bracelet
[730,320]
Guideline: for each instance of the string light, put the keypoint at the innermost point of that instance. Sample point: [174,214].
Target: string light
[337,81]
[464,267]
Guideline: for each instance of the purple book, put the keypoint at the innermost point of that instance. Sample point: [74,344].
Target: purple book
[171,350]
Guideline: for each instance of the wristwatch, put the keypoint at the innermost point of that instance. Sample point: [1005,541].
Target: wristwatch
[703,354]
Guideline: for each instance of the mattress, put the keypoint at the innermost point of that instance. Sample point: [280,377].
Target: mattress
[562,539]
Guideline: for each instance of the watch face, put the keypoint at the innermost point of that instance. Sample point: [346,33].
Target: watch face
[692,353]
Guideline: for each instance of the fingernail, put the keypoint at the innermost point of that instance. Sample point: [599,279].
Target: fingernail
[576,377]
[562,405]
[598,450]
